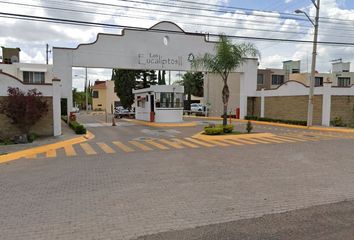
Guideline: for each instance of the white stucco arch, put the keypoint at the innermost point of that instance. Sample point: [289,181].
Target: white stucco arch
[163,46]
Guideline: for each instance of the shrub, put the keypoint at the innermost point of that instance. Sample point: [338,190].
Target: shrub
[227,128]
[338,122]
[77,127]
[213,131]
[249,126]
[294,122]
[32,136]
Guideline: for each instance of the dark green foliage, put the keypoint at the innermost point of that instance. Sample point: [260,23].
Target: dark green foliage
[293,122]
[227,128]
[32,136]
[161,77]
[213,131]
[249,127]
[337,122]
[77,127]
[124,82]
[193,85]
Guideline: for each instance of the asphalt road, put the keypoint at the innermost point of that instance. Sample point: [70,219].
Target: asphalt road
[324,222]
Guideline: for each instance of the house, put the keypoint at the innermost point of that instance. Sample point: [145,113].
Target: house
[25,72]
[104,97]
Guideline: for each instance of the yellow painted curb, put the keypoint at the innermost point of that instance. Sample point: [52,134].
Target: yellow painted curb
[341,130]
[154,124]
[231,136]
[36,150]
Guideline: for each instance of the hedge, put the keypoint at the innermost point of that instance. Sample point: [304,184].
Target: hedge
[294,122]
[227,128]
[213,130]
[77,127]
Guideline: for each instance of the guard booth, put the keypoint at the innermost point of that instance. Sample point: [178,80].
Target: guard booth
[159,103]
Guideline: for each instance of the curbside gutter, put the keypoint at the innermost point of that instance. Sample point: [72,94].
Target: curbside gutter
[328,129]
[44,148]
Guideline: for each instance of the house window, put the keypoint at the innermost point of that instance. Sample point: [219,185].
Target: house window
[95,94]
[33,77]
[295,70]
[318,81]
[277,79]
[260,80]
[343,81]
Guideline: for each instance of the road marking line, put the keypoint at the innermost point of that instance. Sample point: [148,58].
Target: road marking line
[140,145]
[31,156]
[289,139]
[123,147]
[233,142]
[188,144]
[158,145]
[200,142]
[273,140]
[300,138]
[69,150]
[88,149]
[258,140]
[51,153]
[282,139]
[218,142]
[171,143]
[105,147]
[248,141]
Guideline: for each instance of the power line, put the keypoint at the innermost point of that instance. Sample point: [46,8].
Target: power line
[85,23]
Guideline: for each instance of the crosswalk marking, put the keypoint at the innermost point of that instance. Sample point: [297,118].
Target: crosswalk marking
[200,142]
[234,142]
[258,140]
[88,149]
[51,153]
[69,151]
[171,143]
[244,141]
[105,147]
[188,144]
[140,145]
[158,145]
[302,138]
[294,139]
[282,139]
[123,147]
[273,140]
[219,143]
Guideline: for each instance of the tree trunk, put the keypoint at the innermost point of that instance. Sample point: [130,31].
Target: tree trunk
[225,100]
[189,101]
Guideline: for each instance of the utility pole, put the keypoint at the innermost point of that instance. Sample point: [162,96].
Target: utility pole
[86,91]
[47,53]
[313,64]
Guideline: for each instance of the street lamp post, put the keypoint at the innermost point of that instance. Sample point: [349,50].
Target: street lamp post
[313,64]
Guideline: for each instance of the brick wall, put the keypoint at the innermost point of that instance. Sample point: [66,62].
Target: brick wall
[43,128]
[343,106]
[292,108]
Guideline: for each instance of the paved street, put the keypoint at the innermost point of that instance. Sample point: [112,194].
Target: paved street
[130,194]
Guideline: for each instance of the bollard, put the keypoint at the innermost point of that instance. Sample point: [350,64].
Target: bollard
[113,121]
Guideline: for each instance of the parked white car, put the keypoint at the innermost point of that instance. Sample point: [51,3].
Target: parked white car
[197,107]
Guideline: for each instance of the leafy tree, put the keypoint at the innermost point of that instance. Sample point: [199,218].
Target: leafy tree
[79,98]
[228,56]
[193,85]
[24,109]
[146,78]
[124,83]
[161,78]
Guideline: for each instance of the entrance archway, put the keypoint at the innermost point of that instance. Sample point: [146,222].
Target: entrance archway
[165,46]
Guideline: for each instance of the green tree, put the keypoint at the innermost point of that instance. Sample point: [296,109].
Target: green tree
[228,56]
[124,83]
[146,78]
[193,85]
[161,77]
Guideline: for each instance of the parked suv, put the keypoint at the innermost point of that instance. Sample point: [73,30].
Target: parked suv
[197,107]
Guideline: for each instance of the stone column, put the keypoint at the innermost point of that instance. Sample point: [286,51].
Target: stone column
[56,87]
[262,103]
[326,103]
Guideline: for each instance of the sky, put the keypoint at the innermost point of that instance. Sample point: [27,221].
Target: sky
[252,18]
